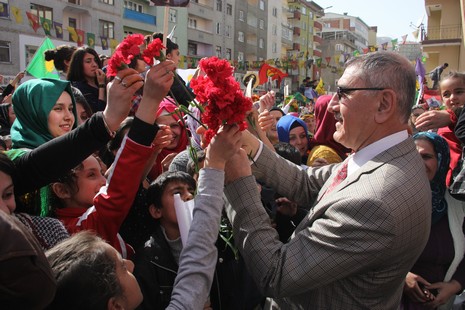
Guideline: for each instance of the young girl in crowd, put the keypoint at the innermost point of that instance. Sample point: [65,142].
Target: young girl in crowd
[439,273]
[61,57]
[83,202]
[85,72]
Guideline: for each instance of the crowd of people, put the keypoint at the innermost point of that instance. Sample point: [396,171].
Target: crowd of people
[344,205]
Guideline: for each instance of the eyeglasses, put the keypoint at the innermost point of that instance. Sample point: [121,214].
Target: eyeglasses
[342,91]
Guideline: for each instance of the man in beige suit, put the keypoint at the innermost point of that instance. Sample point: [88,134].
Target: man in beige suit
[360,237]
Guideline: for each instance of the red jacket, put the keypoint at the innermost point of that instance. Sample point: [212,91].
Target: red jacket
[113,202]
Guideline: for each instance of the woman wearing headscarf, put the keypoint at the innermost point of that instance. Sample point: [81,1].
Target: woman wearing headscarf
[322,145]
[439,273]
[168,115]
[294,131]
[7,117]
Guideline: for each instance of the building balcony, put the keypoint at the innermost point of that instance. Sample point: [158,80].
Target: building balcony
[140,17]
[78,7]
[318,26]
[442,35]
[296,47]
[204,11]
[317,53]
[297,31]
[199,36]
[294,14]
[317,39]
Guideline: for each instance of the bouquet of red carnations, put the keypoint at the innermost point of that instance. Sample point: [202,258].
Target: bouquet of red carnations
[220,96]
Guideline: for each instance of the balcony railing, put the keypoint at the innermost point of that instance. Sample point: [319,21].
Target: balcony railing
[140,17]
[442,33]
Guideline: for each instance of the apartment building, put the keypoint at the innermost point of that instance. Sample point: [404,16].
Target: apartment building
[442,38]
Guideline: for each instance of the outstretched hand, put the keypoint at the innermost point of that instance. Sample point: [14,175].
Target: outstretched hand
[223,146]
[432,120]
[119,97]
[238,166]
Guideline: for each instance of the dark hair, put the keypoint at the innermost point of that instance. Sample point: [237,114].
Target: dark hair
[156,189]
[115,143]
[446,65]
[80,99]
[288,152]
[85,273]
[170,45]
[7,166]
[59,55]
[76,67]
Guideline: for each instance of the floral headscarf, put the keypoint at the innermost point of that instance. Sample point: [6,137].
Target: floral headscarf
[438,183]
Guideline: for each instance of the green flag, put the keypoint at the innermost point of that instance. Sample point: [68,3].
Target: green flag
[46,25]
[40,68]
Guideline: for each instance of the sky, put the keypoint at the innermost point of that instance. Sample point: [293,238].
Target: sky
[392,17]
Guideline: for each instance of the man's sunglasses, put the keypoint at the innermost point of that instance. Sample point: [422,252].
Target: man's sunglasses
[342,91]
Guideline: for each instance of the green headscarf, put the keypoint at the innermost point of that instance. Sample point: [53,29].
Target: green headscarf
[32,101]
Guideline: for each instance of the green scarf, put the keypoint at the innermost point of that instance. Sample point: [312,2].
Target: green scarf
[32,101]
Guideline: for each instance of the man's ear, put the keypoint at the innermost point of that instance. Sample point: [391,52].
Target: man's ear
[386,106]
[155,212]
[114,303]
[61,190]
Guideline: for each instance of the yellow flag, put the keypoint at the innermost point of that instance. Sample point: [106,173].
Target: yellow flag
[320,88]
[17,14]
[113,44]
[73,33]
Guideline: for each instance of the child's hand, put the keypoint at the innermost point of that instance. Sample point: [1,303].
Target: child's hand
[223,146]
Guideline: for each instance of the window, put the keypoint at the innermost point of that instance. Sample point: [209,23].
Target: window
[110,2]
[191,48]
[228,54]
[173,15]
[219,5]
[240,36]
[42,11]
[241,15]
[133,6]
[5,51]
[72,23]
[261,43]
[78,2]
[192,23]
[240,56]
[274,47]
[310,14]
[218,51]
[227,31]
[274,30]
[106,29]
[218,28]
[229,9]
[304,10]
[275,12]
[261,24]
[262,5]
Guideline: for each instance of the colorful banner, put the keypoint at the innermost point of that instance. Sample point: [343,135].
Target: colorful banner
[104,41]
[318,62]
[58,30]
[40,68]
[73,34]
[46,25]
[4,10]
[33,21]
[394,44]
[356,53]
[80,37]
[17,14]
[91,40]
[365,50]
[328,60]
[267,71]
[404,39]
[384,46]
[113,44]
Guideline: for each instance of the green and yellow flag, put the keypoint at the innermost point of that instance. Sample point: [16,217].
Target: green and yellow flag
[40,68]
[46,25]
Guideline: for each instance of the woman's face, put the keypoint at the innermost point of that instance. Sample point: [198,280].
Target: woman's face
[61,117]
[81,113]
[310,121]
[174,56]
[298,139]
[175,127]
[7,201]
[132,295]
[90,65]
[426,150]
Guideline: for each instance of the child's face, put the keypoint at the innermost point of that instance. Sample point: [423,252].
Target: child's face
[89,181]
[61,117]
[168,214]
[453,92]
